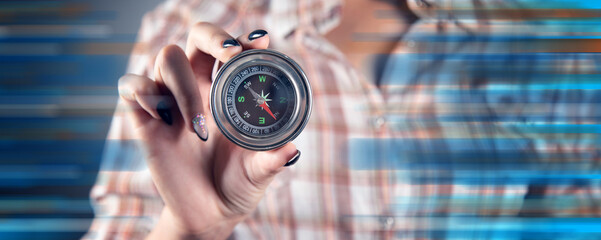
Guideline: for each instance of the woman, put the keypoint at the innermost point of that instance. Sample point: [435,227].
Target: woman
[388,99]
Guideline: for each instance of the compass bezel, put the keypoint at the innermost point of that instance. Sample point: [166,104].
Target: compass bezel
[302,93]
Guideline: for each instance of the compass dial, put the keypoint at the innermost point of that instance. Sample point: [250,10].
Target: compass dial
[261,99]
[262,102]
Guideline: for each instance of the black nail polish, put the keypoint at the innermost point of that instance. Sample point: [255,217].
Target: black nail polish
[164,112]
[230,43]
[294,159]
[256,34]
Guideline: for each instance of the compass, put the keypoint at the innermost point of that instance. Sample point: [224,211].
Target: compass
[261,99]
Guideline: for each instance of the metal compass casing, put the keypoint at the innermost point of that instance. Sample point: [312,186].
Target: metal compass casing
[261,99]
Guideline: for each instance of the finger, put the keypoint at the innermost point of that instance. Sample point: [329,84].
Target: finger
[207,42]
[265,165]
[173,70]
[206,39]
[257,39]
[140,92]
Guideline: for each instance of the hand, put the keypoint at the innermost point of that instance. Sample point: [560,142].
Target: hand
[208,183]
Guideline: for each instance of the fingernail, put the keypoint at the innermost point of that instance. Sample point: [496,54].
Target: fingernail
[230,43]
[164,112]
[256,34]
[200,127]
[294,159]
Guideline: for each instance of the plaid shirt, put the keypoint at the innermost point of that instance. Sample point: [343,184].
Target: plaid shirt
[483,126]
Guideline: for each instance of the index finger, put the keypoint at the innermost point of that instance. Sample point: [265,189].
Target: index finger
[207,41]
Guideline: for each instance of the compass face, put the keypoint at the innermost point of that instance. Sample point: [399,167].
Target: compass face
[262,102]
[260,99]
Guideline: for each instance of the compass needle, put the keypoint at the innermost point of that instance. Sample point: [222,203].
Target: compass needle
[266,108]
[255,94]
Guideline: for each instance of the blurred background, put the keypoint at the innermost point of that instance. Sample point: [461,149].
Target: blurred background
[60,62]
[59,66]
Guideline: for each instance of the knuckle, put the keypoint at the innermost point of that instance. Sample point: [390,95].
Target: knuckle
[208,31]
[131,86]
[126,94]
[123,85]
[201,25]
[200,29]
[123,80]
[170,54]
[127,88]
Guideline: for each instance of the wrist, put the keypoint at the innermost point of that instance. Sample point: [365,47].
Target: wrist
[169,227]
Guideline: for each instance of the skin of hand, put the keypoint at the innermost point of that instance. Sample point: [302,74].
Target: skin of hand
[207,186]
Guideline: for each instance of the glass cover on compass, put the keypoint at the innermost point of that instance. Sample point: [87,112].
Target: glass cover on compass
[261,99]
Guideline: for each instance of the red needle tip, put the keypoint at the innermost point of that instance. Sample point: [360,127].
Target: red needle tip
[266,108]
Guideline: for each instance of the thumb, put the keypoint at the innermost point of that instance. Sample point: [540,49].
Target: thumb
[265,165]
